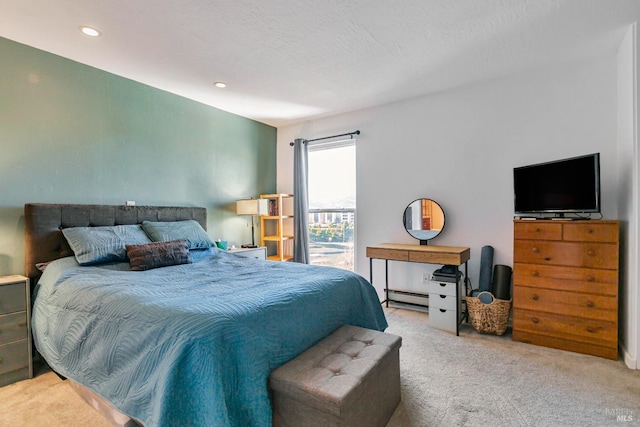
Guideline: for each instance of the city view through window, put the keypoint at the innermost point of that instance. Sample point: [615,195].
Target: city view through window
[332,206]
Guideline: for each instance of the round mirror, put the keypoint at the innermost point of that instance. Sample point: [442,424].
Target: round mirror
[423,219]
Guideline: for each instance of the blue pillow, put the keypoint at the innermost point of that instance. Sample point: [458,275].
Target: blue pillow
[189,230]
[95,245]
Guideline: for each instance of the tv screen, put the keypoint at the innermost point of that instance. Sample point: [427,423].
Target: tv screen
[561,186]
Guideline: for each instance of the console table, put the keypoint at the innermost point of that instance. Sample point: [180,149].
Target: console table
[427,254]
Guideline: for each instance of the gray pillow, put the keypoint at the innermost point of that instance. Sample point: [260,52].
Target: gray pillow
[95,245]
[189,230]
[158,254]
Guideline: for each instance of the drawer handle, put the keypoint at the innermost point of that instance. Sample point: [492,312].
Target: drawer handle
[535,320]
[442,284]
[591,329]
[442,311]
[591,252]
[536,250]
[590,231]
[590,279]
[547,258]
[535,274]
[443,296]
[590,304]
[534,297]
[537,230]
[0,359]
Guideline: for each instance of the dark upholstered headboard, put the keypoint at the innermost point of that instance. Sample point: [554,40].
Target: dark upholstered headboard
[45,242]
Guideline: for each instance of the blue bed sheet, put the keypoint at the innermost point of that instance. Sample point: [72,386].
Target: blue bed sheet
[192,344]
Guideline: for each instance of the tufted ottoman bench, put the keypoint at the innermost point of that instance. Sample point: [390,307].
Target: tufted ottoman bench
[351,378]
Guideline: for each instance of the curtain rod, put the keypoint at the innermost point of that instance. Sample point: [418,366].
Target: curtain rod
[357,132]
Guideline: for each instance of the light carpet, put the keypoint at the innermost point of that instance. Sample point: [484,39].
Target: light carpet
[488,380]
[470,380]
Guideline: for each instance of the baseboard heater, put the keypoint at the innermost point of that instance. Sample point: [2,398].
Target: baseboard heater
[417,299]
[408,297]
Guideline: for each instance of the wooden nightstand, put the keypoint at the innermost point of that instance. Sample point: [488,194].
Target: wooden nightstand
[15,330]
[260,252]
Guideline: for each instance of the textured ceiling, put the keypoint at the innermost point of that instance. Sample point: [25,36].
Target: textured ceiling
[290,60]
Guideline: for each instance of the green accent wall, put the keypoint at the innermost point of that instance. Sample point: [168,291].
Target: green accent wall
[70,133]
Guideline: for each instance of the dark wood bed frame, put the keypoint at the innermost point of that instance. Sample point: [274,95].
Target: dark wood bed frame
[44,241]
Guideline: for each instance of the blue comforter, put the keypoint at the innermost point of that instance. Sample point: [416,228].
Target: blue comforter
[192,344]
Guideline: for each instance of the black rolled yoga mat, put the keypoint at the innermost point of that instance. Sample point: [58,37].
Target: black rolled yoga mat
[486,264]
[502,282]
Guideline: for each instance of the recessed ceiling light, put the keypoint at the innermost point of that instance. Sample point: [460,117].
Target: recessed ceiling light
[90,31]
[221,85]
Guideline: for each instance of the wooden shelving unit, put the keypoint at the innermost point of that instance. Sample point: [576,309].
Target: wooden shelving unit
[276,228]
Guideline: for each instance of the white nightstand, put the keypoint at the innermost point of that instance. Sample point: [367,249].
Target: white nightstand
[15,329]
[260,252]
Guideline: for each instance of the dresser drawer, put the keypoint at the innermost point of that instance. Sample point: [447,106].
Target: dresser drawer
[610,351]
[447,302]
[258,253]
[442,288]
[593,232]
[571,328]
[14,356]
[533,230]
[12,298]
[570,303]
[588,280]
[593,255]
[391,254]
[453,258]
[440,318]
[13,327]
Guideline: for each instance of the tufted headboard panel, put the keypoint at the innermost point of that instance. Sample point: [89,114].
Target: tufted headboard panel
[43,223]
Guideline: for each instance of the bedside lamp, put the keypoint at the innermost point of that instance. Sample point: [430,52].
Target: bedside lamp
[251,207]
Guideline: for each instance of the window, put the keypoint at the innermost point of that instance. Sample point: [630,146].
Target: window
[332,203]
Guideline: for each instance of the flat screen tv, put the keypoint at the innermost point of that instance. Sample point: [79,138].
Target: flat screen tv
[558,187]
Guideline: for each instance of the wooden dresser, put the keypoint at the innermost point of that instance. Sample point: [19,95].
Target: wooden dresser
[565,285]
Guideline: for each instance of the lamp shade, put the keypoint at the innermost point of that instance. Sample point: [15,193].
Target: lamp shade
[251,207]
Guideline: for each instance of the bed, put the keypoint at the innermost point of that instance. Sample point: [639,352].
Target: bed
[186,344]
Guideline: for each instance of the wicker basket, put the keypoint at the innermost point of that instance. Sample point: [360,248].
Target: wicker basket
[489,318]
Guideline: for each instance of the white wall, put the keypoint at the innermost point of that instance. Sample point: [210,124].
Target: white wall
[628,196]
[459,148]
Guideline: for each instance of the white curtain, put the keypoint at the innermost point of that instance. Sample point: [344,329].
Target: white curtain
[301,201]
